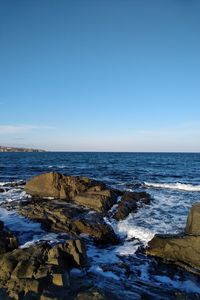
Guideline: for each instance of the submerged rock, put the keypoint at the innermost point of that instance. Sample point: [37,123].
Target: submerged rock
[30,272]
[130,203]
[82,190]
[182,249]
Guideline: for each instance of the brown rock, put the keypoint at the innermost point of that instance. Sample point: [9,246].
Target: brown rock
[180,249]
[60,279]
[91,294]
[62,217]
[30,271]
[129,203]
[82,190]
[193,220]
[183,250]
[95,226]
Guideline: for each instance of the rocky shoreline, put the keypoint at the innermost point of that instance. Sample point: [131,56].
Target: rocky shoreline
[17,149]
[77,207]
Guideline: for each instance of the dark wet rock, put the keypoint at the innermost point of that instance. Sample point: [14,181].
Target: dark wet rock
[29,272]
[8,241]
[1,225]
[2,190]
[182,249]
[60,216]
[129,203]
[91,294]
[82,190]
[95,226]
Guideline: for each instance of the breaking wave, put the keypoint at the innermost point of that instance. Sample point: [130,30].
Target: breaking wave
[174,186]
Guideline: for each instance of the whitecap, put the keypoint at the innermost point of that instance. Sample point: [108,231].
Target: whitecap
[126,229]
[174,186]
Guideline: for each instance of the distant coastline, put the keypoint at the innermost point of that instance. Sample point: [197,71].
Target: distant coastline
[16,149]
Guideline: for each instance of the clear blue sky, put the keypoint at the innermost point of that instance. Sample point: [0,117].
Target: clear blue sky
[100,75]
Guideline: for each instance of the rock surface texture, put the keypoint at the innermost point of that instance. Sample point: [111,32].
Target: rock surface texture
[63,217]
[31,272]
[129,203]
[81,190]
[182,249]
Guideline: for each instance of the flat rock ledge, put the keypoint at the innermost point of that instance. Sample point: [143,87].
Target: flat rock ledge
[183,249]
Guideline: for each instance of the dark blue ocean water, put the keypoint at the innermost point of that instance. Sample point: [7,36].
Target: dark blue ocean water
[172,179]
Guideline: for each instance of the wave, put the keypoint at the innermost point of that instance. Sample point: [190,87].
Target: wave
[11,183]
[174,186]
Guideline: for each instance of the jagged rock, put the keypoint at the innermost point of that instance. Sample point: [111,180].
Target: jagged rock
[28,271]
[8,241]
[95,226]
[180,249]
[82,190]
[193,220]
[62,217]
[129,203]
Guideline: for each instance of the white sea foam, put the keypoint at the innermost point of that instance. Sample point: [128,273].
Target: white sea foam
[128,248]
[174,186]
[49,237]
[127,229]
[99,271]
[102,256]
[13,194]
[6,183]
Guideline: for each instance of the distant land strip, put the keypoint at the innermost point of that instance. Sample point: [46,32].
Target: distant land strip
[16,149]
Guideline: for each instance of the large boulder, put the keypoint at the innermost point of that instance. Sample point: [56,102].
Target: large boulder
[182,249]
[82,190]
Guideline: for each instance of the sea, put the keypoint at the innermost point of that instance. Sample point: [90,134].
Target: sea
[123,271]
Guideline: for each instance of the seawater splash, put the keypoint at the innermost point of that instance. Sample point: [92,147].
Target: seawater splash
[174,186]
